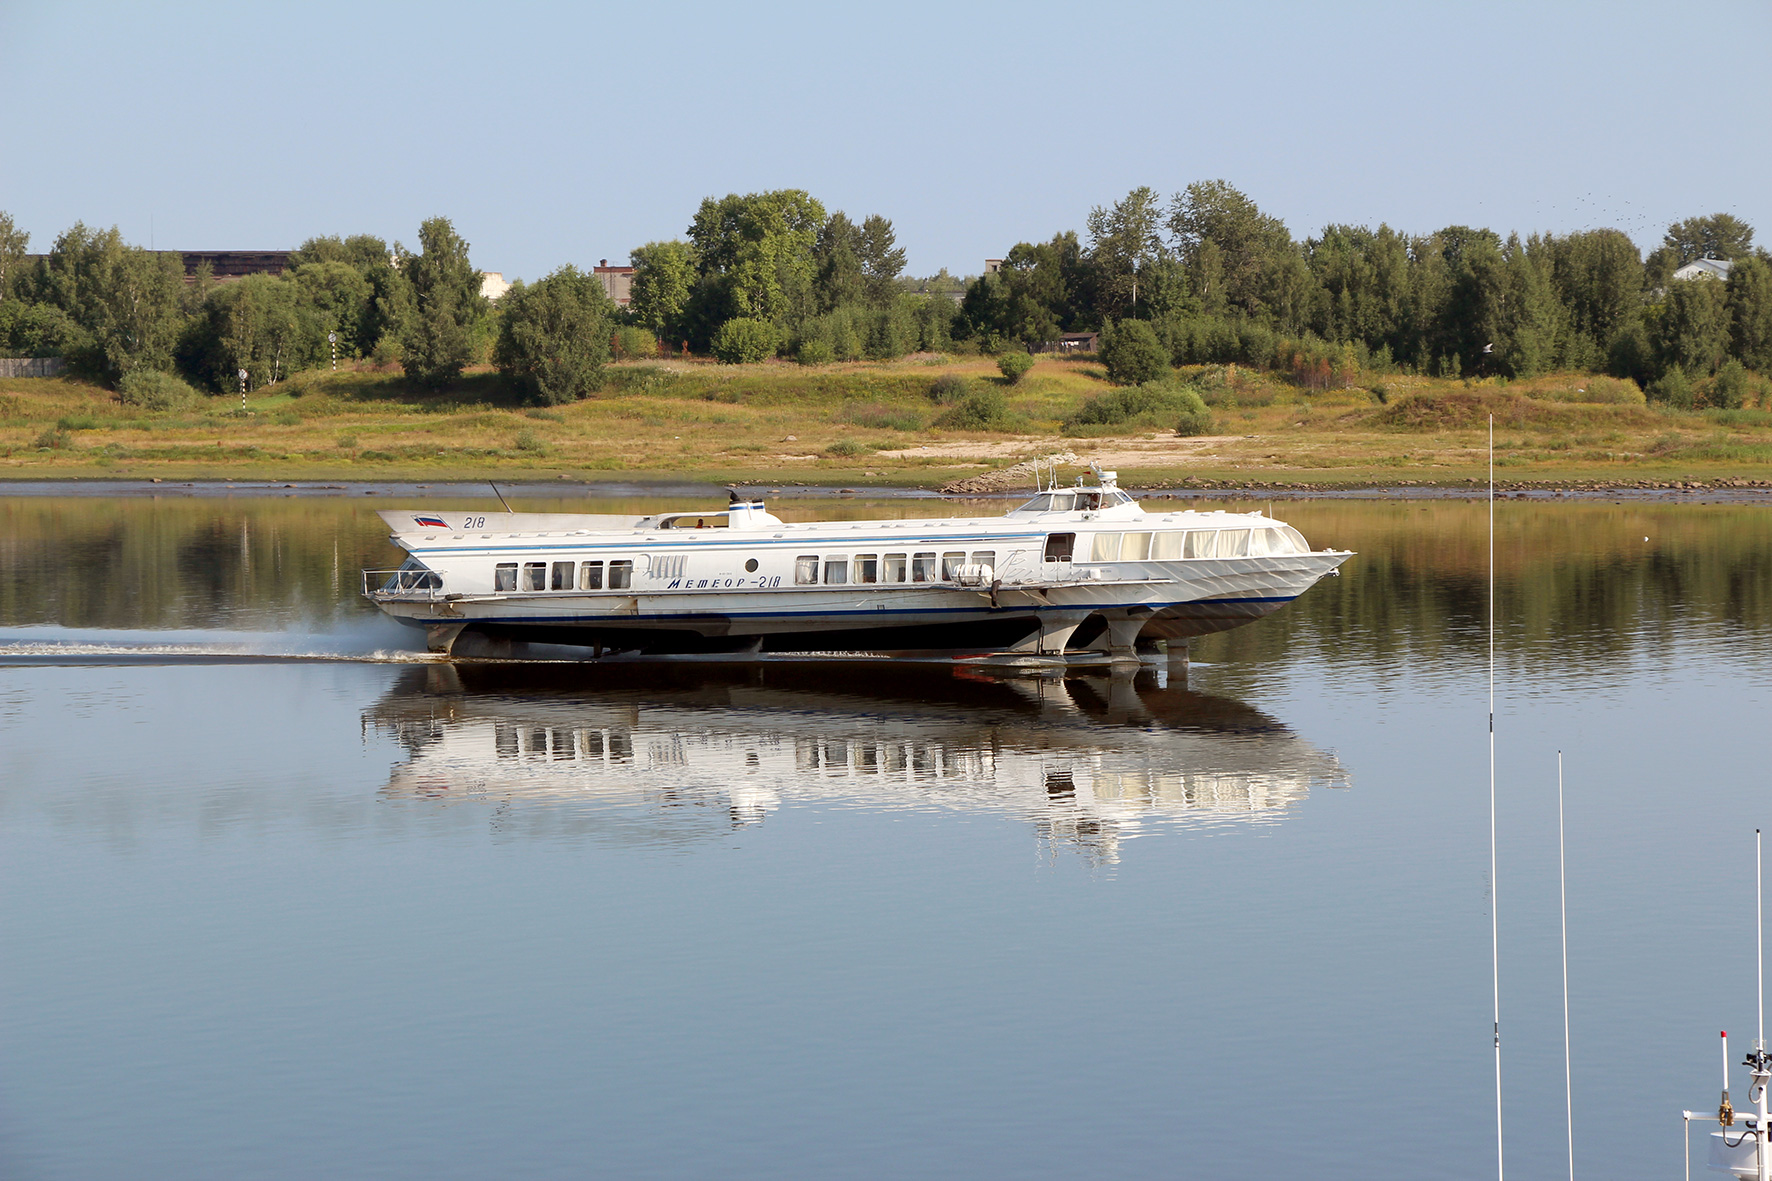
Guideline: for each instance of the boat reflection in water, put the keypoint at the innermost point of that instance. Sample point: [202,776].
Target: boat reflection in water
[664,753]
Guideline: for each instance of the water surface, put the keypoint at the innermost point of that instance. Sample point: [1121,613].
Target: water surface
[282,898]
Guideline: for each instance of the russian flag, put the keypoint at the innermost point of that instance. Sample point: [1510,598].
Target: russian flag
[431,522]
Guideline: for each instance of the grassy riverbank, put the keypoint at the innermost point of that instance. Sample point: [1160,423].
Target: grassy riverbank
[877,424]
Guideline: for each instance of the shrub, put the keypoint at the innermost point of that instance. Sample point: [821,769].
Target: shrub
[949,388]
[346,442]
[1151,404]
[54,440]
[848,449]
[1133,354]
[1014,366]
[742,339]
[981,410]
[1733,387]
[1672,388]
[815,352]
[1194,423]
[153,390]
[631,342]
[528,440]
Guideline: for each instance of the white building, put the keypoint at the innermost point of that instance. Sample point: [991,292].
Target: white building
[493,285]
[1704,268]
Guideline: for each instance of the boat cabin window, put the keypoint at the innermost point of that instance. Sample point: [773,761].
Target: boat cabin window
[535,576]
[836,570]
[985,557]
[1135,547]
[806,570]
[1233,543]
[1107,547]
[1059,546]
[621,574]
[923,567]
[561,576]
[1166,546]
[867,568]
[950,565]
[504,576]
[590,576]
[1201,543]
[1050,502]
[893,568]
[1299,544]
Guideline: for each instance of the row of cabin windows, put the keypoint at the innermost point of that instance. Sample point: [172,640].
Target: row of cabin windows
[1197,543]
[536,576]
[840,569]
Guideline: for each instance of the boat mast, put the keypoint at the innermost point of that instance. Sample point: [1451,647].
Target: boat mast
[1494,921]
[1563,891]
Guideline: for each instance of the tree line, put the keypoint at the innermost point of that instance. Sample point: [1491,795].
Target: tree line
[1205,276]
[1212,278]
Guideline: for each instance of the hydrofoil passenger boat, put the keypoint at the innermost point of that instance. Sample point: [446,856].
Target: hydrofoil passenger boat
[1072,569]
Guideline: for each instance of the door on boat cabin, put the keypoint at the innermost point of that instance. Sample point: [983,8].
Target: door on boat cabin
[1059,547]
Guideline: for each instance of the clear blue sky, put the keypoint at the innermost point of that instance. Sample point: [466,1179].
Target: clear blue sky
[554,133]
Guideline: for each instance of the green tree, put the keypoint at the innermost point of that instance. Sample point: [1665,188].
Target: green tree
[340,299]
[759,248]
[882,260]
[553,338]
[838,256]
[38,330]
[257,324]
[1228,244]
[1598,280]
[438,336]
[13,242]
[1132,353]
[390,301]
[125,298]
[1749,298]
[1032,298]
[1690,330]
[1125,242]
[1720,235]
[664,278]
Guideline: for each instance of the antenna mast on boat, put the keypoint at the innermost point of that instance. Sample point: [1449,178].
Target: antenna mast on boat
[501,497]
[1494,920]
[1563,892]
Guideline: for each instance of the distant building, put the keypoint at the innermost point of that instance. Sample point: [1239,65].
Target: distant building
[1070,342]
[224,265]
[1704,268]
[992,265]
[617,281]
[493,285]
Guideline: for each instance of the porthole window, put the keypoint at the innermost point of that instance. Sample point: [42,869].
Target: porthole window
[750,565]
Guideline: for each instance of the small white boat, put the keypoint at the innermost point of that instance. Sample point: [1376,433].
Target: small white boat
[1073,568]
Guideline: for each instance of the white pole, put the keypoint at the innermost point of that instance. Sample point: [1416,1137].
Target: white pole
[1494,901]
[1563,890]
[1760,1130]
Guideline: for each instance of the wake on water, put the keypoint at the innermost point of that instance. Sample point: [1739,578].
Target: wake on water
[373,643]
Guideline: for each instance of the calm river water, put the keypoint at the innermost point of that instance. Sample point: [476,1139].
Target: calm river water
[343,913]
